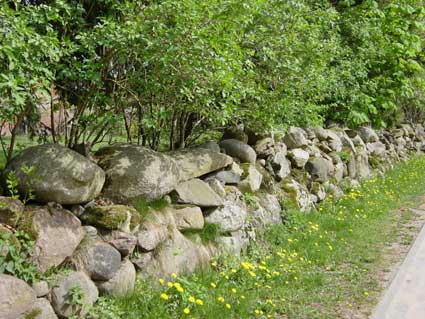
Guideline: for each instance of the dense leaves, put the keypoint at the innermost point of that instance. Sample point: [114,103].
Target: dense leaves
[166,72]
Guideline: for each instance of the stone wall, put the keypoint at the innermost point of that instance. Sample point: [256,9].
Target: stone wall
[86,216]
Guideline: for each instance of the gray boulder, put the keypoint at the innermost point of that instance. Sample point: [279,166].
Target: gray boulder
[197,192]
[298,157]
[135,171]
[239,150]
[62,291]
[16,297]
[225,177]
[99,260]
[57,233]
[122,283]
[295,138]
[196,162]
[61,175]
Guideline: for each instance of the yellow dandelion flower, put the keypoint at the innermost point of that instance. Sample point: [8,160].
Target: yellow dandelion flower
[228,306]
[161,281]
[199,302]
[174,275]
[213,285]
[233,290]
[220,299]
[186,311]
[164,296]
[170,284]
[252,274]
[192,299]
[243,297]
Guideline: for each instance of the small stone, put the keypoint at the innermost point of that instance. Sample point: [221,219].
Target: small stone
[11,210]
[123,242]
[112,217]
[295,138]
[41,288]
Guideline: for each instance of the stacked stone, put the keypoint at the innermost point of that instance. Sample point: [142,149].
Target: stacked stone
[88,221]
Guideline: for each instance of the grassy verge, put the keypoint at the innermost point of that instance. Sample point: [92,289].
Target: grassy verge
[316,265]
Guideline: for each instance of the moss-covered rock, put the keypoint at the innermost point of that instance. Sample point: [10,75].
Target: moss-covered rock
[112,217]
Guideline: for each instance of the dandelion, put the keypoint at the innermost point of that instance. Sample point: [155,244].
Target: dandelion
[252,274]
[199,302]
[228,306]
[233,290]
[161,281]
[192,299]
[170,284]
[186,311]
[164,296]
[220,299]
[174,275]
[213,285]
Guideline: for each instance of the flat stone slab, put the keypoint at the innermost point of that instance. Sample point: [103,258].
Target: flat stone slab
[405,297]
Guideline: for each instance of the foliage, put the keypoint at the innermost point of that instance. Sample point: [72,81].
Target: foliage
[12,182]
[167,72]
[15,256]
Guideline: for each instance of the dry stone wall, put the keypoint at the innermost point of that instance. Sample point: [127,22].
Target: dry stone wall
[86,216]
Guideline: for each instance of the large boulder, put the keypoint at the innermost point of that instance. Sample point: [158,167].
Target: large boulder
[61,175]
[16,297]
[57,233]
[112,217]
[239,150]
[122,283]
[62,292]
[197,192]
[134,171]
[99,260]
[295,138]
[11,210]
[196,162]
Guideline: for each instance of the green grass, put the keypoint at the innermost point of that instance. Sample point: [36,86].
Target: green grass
[316,265]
